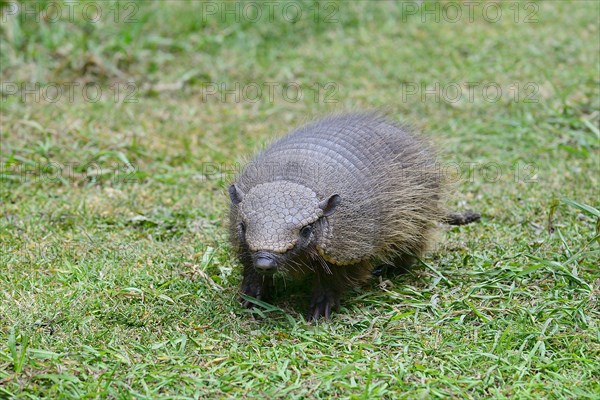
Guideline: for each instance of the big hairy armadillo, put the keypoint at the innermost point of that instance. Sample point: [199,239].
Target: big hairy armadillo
[334,199]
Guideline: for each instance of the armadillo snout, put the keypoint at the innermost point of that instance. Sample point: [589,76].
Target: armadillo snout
[265,262]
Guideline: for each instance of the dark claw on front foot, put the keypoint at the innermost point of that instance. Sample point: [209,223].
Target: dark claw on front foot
[256,290]
[323,301]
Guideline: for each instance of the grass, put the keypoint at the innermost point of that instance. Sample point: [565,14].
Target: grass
[116,277]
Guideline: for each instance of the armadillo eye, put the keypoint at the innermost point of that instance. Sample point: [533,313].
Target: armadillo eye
[243,228]
[306,231]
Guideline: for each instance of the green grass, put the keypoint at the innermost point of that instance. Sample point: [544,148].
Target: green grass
[116,277]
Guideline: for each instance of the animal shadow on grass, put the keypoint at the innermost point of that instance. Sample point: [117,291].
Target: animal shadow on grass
[291,297]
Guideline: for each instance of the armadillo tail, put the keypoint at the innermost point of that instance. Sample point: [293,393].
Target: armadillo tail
[455,218]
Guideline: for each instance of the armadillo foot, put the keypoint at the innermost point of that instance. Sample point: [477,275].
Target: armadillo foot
[323,301]
[254,288]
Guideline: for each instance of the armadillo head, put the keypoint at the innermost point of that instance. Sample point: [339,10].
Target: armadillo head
[277,219]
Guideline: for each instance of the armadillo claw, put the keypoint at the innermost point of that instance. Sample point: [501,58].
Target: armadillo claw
[252,289]
[257,287]
[323,301]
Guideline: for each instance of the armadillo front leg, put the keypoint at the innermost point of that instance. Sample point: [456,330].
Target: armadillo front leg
[325,297]
[255,285]
[330,285]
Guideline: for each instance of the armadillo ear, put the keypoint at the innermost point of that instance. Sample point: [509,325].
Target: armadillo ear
[235,194]
[328,205]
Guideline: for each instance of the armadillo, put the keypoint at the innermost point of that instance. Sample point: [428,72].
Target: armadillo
[334,199]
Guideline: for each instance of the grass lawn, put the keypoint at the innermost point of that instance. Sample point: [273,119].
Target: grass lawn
[120,133]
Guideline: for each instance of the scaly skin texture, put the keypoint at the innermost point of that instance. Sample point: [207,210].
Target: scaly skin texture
[333,199]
